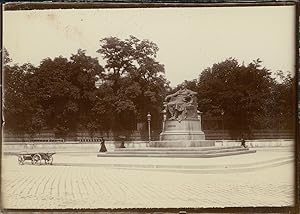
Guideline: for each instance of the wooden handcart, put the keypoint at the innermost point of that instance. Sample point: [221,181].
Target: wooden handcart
[36,158]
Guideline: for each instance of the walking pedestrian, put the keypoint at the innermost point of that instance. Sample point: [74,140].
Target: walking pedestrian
[103,147]
[243,143]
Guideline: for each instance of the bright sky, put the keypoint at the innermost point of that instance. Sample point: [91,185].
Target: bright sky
[189,39]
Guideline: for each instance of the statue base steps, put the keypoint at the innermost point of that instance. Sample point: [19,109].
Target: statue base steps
[182,143]
[190,152]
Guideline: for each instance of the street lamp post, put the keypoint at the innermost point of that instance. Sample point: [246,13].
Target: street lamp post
[222,113]
[164,112]
[149,127]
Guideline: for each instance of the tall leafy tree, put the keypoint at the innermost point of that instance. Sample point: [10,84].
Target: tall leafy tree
[57,94]
[66,91]
[6,57]
[136,79]
[239,91]
[280,105]
[85,71]
[22,112]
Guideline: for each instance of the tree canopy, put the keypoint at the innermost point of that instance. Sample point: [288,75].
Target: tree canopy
[247,96]
[74,94]
[58,94]
[67,95]
[136,80]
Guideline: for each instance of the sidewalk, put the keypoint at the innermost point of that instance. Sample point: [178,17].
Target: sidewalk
[16,147]
[238,163]
[75,181]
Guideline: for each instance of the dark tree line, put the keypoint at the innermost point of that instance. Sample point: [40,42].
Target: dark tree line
[67,95]
[246,96]
[73,94]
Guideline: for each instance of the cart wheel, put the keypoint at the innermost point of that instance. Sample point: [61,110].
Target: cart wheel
[37,159]
[21,159]
[50,160]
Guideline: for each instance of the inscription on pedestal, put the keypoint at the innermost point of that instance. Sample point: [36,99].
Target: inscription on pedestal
[171,126]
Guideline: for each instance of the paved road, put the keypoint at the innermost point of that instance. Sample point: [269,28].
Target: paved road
[76,186]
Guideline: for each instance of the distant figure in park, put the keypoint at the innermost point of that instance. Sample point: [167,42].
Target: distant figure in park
[122,138]
[176,103]
[103,148]
[243,143]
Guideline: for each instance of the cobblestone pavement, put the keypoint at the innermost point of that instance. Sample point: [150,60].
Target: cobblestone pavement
[86,186]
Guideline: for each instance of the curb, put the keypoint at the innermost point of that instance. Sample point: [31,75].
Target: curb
[213,171]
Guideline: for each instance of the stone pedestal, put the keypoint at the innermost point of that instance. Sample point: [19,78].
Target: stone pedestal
[182,122]
[184,130]
[185,133]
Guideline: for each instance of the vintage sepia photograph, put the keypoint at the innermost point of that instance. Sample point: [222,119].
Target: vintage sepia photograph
[149,107]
